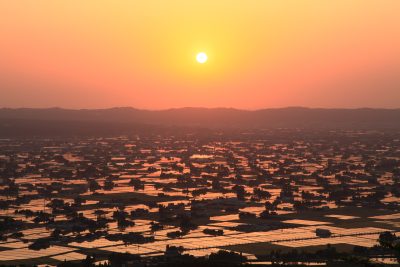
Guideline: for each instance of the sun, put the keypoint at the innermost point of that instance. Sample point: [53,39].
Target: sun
[201,57]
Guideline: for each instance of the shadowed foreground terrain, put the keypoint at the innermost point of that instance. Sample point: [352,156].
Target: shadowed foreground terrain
[176,196]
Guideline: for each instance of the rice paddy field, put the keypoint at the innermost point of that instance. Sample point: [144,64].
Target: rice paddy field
[250,192]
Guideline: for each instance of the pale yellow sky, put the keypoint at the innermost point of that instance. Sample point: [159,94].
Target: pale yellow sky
[95,53]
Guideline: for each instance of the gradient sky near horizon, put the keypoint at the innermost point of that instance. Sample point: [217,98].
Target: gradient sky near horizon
[261,53]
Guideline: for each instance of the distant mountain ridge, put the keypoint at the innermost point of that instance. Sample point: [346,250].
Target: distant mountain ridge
[291,117]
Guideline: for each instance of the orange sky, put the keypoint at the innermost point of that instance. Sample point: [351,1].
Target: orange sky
[262,54]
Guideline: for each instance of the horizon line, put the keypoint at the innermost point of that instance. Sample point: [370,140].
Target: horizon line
[203,108]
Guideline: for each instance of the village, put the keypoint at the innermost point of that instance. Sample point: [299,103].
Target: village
[156,196]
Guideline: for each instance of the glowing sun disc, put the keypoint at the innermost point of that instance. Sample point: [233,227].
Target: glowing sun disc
[201,57]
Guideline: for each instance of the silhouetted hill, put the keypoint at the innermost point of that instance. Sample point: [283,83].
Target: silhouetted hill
[25,119]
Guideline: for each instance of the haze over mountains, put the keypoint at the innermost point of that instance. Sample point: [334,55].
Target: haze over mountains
[24,120]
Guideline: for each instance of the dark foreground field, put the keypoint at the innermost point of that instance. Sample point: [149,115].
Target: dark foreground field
[201,197]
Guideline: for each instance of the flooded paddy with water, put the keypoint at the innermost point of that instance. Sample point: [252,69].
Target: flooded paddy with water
[252,193]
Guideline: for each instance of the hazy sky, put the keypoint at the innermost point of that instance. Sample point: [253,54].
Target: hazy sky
[265,53]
